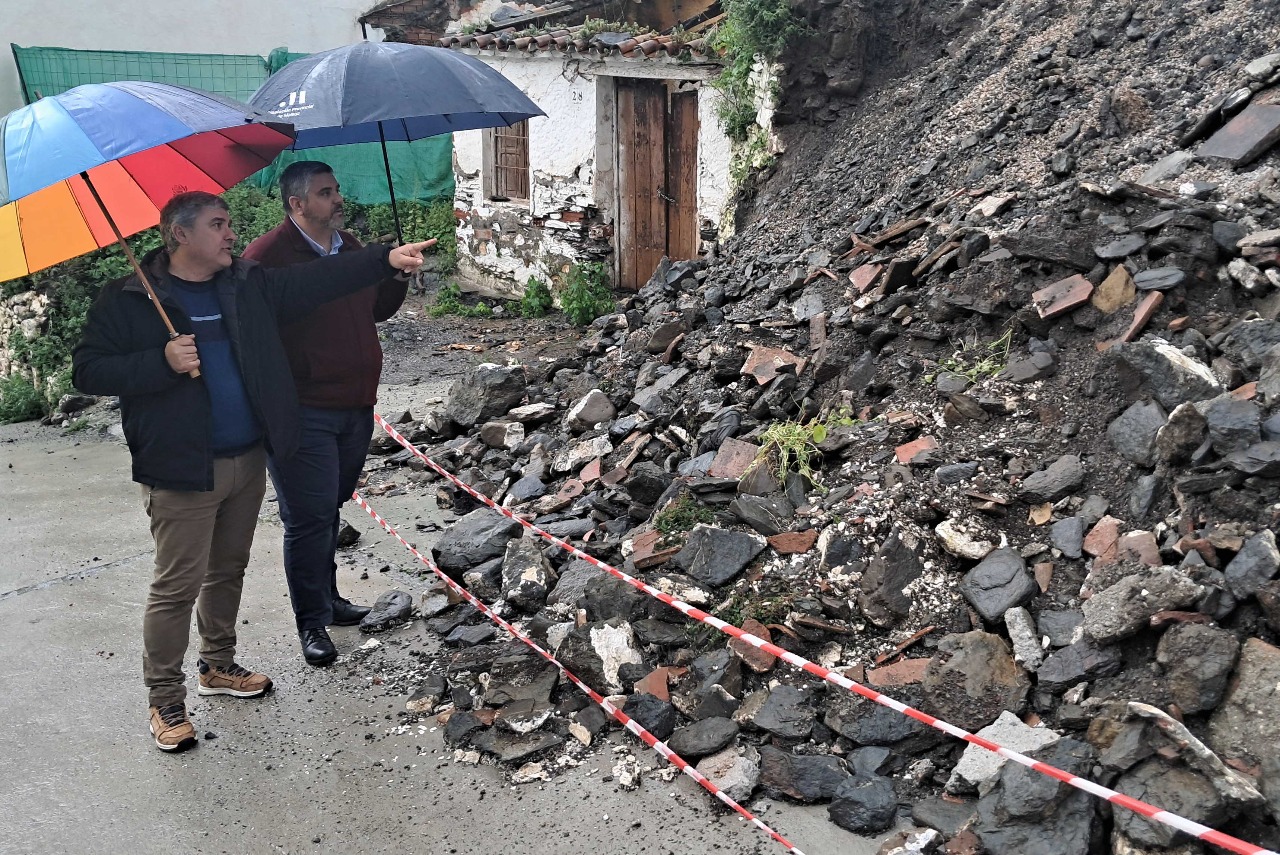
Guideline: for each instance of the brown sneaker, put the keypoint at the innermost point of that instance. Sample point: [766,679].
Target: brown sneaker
[236,681]
[171,728]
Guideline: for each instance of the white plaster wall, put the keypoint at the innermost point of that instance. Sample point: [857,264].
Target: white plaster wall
[715,153]
[561,144]
[229,26]
[562,167]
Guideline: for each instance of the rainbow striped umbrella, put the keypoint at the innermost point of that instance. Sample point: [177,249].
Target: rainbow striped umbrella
[89,167]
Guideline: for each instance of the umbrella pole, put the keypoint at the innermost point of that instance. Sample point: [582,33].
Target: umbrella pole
[386,164]
[137,268]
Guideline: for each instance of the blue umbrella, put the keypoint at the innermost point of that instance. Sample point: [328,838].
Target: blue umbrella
[380,91]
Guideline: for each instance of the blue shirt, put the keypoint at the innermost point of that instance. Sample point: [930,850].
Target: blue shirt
[235,428]
[334,245]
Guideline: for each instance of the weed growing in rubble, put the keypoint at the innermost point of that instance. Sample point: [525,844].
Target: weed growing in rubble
[585,294]
[977,361]
[793,446]
[682,515]
[536,301]
[19,400]
[449,302]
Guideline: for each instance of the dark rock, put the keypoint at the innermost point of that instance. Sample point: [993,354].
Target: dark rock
[998,583]
[1254,565]
[1125,608]
[787,713]
[485,392]
[715,556]
[1234,425]
[1119,248]
[572,584]
[392,608]
[1146,492]
[515,748]
[1133,433]
[1029,813]
[653,714]
[895,566]
[595,651]
[1247,342]
[703,737]
[1057,249]
[768,516]
[972,679]
[1245,725]
[1174,788]
[1067,536]
[805,779]
[1261,458]
[527,577]
[1198,660]
[1078,662]
[474,539]
[607,597]
[348,535]
[865,722]
[1037,366]
[1269,598]
[1169,375]
[955,473]
[1159,279]
[1228,235]
[1059,627]
[646,483]
[1062,478]
[660,633]
[469,636]
[944,815]
[75,403]
[866,804]
[528,487]
[461,725]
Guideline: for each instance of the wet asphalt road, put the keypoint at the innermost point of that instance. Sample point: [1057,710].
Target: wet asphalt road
[322,765]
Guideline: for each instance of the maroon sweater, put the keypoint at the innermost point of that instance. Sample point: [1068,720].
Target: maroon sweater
[334,352]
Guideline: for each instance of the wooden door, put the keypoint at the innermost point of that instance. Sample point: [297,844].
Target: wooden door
[658,177]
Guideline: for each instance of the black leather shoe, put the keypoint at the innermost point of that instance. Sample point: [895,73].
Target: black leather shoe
[347,613]
[317,649]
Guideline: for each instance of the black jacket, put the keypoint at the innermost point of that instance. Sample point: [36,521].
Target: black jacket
[166,415]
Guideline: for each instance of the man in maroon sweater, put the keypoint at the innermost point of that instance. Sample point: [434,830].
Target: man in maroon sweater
[336,359]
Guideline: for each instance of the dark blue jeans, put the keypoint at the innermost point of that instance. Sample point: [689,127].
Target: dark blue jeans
[311,487]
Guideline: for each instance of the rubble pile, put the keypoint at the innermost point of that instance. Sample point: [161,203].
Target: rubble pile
[979,409]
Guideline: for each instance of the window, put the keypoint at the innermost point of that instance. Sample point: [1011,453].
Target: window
[510,147]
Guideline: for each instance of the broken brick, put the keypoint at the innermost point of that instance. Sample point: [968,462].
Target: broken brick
[590,472]
[1044,575]
[909,451]
[1062,296]
[753,657]
[1102,542]
[733,459]
[903,673]
[766,363]
[794,542]
[1139,546]
[865,276]
[655,683]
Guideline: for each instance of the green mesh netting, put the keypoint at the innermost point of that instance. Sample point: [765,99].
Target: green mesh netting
[422,170]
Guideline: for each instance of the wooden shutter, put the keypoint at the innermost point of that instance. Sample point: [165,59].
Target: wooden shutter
[511,161]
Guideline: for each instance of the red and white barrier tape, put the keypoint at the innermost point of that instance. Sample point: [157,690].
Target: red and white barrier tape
[626,721]
[1187,826]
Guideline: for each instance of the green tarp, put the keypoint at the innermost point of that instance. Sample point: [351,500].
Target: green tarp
[422,170]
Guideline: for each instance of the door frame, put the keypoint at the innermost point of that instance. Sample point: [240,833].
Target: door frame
[607,174]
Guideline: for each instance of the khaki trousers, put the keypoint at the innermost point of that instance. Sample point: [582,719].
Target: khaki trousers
[202,548]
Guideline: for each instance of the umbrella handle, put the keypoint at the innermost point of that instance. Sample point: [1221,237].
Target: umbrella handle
[137,268]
